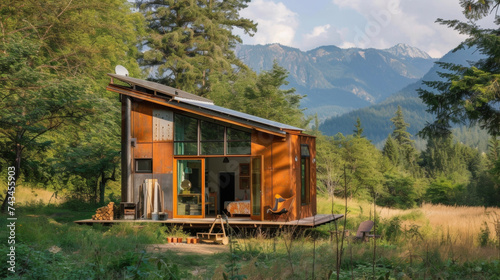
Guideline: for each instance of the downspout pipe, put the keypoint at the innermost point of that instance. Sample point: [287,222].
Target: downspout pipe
[127,192]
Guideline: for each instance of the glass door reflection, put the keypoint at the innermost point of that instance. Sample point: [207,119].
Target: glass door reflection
[190,187]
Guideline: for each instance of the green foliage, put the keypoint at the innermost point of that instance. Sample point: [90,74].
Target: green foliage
[399,148]
[468,93]
[189,41]
[484,236]
[400,192]
[358,131]
[266,98]
[443,191]
[54,59]
[393,229]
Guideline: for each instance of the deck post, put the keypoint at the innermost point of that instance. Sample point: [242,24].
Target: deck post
[127,195]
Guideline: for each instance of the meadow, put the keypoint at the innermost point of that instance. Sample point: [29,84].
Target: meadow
[429,242]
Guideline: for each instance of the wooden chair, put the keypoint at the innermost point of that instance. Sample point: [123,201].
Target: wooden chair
[365,231]
[281,206]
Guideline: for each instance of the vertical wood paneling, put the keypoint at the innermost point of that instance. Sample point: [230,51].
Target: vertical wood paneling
[142,122]
[144,150]
[163,158]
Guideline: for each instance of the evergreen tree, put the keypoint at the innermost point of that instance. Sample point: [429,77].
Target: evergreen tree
[191,40]
[358,132]
[399,133]
[468,94]
[402,143]
[494,161]
[391,150]
[266,99]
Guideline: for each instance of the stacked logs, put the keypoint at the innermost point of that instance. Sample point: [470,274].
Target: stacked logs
[105,212]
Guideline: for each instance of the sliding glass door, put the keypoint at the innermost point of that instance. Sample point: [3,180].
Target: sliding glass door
[256,188]
[189,188]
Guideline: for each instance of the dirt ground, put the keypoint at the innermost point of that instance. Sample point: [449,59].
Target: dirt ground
[184,248]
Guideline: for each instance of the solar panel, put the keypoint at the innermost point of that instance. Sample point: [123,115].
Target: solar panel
[240,115]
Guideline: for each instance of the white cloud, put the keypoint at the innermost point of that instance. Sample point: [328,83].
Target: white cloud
[320,36]
[389,22]
[276,23]
[359,23]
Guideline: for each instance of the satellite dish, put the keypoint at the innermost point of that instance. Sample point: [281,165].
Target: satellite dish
[120,70]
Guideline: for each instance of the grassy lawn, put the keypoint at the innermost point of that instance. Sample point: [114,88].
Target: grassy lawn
[431,242]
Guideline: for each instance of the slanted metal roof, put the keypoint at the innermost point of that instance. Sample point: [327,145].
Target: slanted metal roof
[186,99]
[159,88]
[239,115]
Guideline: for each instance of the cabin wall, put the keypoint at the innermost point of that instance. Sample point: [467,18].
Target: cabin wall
[262,146]
[152,127]
[280,171]
[309,209]
[152,130]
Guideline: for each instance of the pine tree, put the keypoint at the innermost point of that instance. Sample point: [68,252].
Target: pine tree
[404,144]
[391,150]
[468,94]
[358,132]
[266,98]
[494,161]
[191,40]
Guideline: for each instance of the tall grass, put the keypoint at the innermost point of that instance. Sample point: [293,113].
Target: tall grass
[433,241]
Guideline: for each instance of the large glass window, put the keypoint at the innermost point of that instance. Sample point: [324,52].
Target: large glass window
[212,139]
[256,185]
[189,187]
[185,135]
[238,142]
[200,137]
[305,174]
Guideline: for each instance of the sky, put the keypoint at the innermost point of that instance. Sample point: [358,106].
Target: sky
[308,24]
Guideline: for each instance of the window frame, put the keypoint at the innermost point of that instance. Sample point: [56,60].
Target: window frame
[249,140]
[199,138]
[201,141]
[144,171]
[176,142]
[305,175]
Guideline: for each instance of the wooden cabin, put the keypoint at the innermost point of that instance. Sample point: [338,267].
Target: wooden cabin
[186,157]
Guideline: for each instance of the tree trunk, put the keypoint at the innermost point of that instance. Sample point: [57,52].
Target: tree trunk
[101,188]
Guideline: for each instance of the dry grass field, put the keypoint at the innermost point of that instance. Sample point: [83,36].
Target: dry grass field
[461,233]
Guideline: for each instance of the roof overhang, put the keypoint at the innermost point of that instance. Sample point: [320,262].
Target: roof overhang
[194,104]
[193,109]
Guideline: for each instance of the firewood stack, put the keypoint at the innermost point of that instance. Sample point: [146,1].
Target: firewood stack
[105,212]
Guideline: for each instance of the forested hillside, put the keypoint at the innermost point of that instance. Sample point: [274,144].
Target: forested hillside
[338,80]
[376,118]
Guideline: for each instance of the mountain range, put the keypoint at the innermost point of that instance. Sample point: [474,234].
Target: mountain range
[376,118]
[335,80]
[344,84]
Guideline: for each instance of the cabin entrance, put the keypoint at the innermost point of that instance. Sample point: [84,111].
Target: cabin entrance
[189,188]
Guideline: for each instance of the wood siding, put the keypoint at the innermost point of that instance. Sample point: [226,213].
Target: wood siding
[153,128]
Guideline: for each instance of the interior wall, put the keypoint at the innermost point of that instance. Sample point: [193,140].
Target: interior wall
[214,166]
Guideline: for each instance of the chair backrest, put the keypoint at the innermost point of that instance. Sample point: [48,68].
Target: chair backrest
[364,228]
[278,202]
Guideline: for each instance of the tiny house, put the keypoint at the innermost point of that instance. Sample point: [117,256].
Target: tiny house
[184,156]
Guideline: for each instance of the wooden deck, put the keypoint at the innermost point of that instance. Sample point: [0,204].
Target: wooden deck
[238,222]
